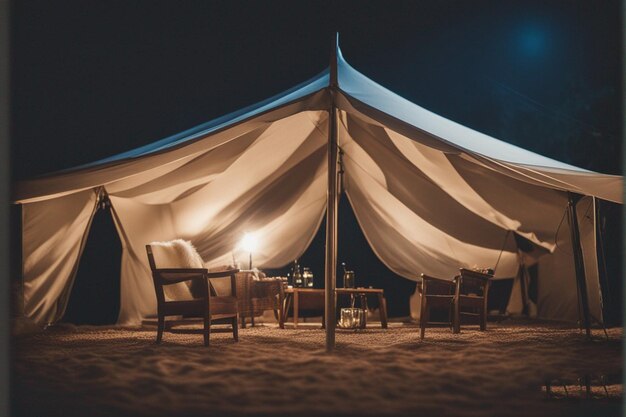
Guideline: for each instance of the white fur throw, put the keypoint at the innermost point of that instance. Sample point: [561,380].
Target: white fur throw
[176,253]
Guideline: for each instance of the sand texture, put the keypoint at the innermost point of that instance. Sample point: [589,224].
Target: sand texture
[101,371]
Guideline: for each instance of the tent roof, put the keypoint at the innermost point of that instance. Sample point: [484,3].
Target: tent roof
[367,97]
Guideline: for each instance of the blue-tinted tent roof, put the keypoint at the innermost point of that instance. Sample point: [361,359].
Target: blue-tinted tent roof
[363,95]
[359,87]
[363,89]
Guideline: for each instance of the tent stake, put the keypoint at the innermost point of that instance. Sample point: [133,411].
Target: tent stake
[579,263]
[331,208]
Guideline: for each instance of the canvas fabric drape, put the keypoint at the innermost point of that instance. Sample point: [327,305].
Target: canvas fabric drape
[53,236]
[360,95]
[424,210]
[558,297]
[278,195]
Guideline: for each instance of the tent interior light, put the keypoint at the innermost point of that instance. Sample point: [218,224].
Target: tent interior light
[249,243]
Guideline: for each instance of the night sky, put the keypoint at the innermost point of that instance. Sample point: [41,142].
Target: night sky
[91,79]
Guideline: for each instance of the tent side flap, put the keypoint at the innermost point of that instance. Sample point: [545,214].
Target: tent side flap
[54,234]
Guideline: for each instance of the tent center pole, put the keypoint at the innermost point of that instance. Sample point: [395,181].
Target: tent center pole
[331,208]
[579,262]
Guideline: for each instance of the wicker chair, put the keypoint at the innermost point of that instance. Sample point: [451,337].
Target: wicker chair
[258,295]
[209,305]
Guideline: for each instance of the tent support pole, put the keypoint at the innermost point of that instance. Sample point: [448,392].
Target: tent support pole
[331,208]
[579,263]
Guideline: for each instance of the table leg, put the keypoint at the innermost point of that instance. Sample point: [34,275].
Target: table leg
[296,296]
[286,306]
[281,310]
[383,310]
[364,308]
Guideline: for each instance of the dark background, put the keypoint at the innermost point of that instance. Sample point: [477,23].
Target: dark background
[91,79]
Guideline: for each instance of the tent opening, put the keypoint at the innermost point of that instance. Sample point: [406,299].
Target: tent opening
[355,251]
[609,238]
[95,295]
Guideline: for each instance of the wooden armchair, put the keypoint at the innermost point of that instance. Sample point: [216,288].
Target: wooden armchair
[472,290]
[437,293]
[202,301]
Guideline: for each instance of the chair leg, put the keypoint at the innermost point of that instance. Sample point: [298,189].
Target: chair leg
[423,317]
[207,329]
[235,329]
[483,319]
[452,317]
[252,320]
[243,321]
[160,328]
[457,318]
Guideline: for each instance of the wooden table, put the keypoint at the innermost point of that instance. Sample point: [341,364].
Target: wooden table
[294,295]
[363,293]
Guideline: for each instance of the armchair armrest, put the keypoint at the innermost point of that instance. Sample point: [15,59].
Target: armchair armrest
[226,273]
[169,276]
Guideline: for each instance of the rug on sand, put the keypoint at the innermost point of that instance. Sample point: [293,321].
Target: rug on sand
[100,371]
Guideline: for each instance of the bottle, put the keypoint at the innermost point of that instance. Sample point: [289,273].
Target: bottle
[297,275]
[348,277]
[307,278]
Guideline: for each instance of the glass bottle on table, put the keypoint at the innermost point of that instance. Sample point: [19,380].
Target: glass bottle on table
[310,281]
[307,278]
[348,277]
[297,275]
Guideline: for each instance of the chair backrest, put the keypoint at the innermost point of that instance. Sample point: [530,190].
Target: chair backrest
[474,282]
[436,286]
[174,254]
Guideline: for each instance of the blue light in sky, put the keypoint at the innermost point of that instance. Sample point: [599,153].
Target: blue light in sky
[532,40]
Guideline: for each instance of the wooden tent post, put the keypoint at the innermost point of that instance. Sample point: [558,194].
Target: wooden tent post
[579,262]
[331,208]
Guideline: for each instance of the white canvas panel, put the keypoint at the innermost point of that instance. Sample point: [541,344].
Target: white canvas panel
[586,212]
[392,221]
[272,186]
[53,236]
[558,291]
[392,111]
[94,175]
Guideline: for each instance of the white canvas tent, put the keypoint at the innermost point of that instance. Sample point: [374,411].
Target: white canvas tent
[430,195]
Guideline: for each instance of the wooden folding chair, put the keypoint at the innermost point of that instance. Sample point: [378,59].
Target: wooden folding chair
[471,296]
[436,293]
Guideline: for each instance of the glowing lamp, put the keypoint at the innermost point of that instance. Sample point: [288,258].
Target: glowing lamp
[249,243]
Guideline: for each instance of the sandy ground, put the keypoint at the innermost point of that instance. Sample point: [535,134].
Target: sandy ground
[95,371]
